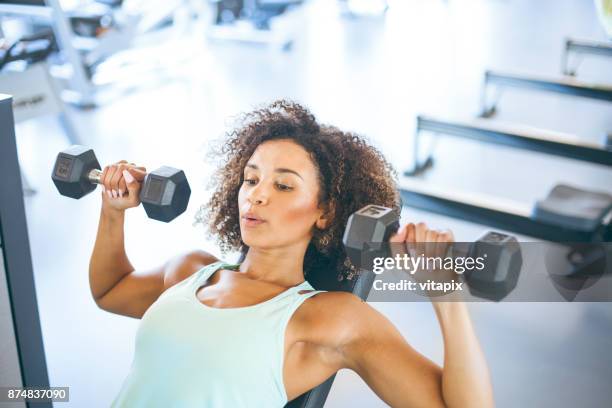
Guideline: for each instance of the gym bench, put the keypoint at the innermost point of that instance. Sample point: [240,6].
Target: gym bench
[553,219]
[581,48]
[520,137]
[562,85]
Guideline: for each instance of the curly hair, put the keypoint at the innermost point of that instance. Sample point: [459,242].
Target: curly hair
[351,174]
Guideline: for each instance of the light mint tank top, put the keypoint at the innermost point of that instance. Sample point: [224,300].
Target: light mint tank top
[188,354]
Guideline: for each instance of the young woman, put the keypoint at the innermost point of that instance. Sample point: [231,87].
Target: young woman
[257,334]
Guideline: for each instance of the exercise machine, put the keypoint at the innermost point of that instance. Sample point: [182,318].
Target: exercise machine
[264,22]
[567,214]
[515,136]
[495,82]
[22,355]
[24,74]
[89,35]
[581,48]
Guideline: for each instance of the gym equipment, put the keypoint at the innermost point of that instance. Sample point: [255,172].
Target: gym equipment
[22,355]
[266,22]
[93,20]
[89,35]
[583,216]
[521,137]
[30,49]
[568,215]
[564,85]
[582,48]
[164,195]
[24,73]
[368,230]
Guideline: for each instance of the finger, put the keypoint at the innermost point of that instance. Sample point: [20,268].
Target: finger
[123,190]
[411,233]
[114,183]
[399,236]
[397,246]
[139,173]
[431,237]
[110,172]
[443,242]
[133,185]
[421,231]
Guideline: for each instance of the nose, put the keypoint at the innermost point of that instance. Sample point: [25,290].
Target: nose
[258,195]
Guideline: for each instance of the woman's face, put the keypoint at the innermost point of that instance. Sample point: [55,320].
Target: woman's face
[278,200]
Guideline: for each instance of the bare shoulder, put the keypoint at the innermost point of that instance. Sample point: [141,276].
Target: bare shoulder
[333,319]
[184,265]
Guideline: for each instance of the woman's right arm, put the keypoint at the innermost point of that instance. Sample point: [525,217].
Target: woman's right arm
[115,285]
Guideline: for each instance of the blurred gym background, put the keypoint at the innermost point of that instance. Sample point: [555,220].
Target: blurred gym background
[156,82]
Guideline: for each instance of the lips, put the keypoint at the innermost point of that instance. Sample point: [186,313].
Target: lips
[252,217]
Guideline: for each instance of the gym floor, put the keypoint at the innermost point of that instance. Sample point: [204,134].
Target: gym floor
[372,75]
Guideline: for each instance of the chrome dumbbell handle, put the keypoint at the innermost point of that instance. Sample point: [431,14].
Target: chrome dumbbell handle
[95,176]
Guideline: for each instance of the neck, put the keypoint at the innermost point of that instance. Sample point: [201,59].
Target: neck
[281,266]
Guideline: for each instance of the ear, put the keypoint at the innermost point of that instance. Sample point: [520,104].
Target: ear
[327,214]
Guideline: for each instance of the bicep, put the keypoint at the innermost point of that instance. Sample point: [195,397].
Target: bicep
[137,291]
[134,293]
[394,370]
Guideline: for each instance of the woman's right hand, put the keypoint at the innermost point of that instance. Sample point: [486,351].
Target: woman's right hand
[121,183]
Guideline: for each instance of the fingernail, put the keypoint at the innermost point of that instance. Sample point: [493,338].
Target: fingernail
[120,193]
[103,188]
[114,194]
[127,176]
[109,194]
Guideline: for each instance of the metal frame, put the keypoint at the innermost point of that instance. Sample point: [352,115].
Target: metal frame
[495,213]
[17,259]
[82,52]
[520,137]
[582,48]
[562,85]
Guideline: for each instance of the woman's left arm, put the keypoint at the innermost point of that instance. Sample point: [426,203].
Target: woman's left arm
[374,348]
[465,375]
[400,375]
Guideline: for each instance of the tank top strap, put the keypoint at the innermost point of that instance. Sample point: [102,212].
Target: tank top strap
[297,295]
[292,295]
[203,274]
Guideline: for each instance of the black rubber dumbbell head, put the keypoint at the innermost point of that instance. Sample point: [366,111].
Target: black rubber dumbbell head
[503,263]
[368,229]
[71,169]
[165,193]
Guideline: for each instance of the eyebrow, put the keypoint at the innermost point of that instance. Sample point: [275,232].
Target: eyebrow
[277,170]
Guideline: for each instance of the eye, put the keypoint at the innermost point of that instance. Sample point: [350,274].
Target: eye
[250,182]
[284,187]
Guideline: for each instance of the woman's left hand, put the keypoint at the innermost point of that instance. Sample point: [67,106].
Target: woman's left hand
[423,240]
[418,240]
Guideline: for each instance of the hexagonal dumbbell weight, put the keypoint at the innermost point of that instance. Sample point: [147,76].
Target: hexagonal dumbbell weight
[371,226]
[368,230]
[504,263]
[164,195]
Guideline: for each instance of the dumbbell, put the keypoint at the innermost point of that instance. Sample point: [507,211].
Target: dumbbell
[164,194]
[369,229]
